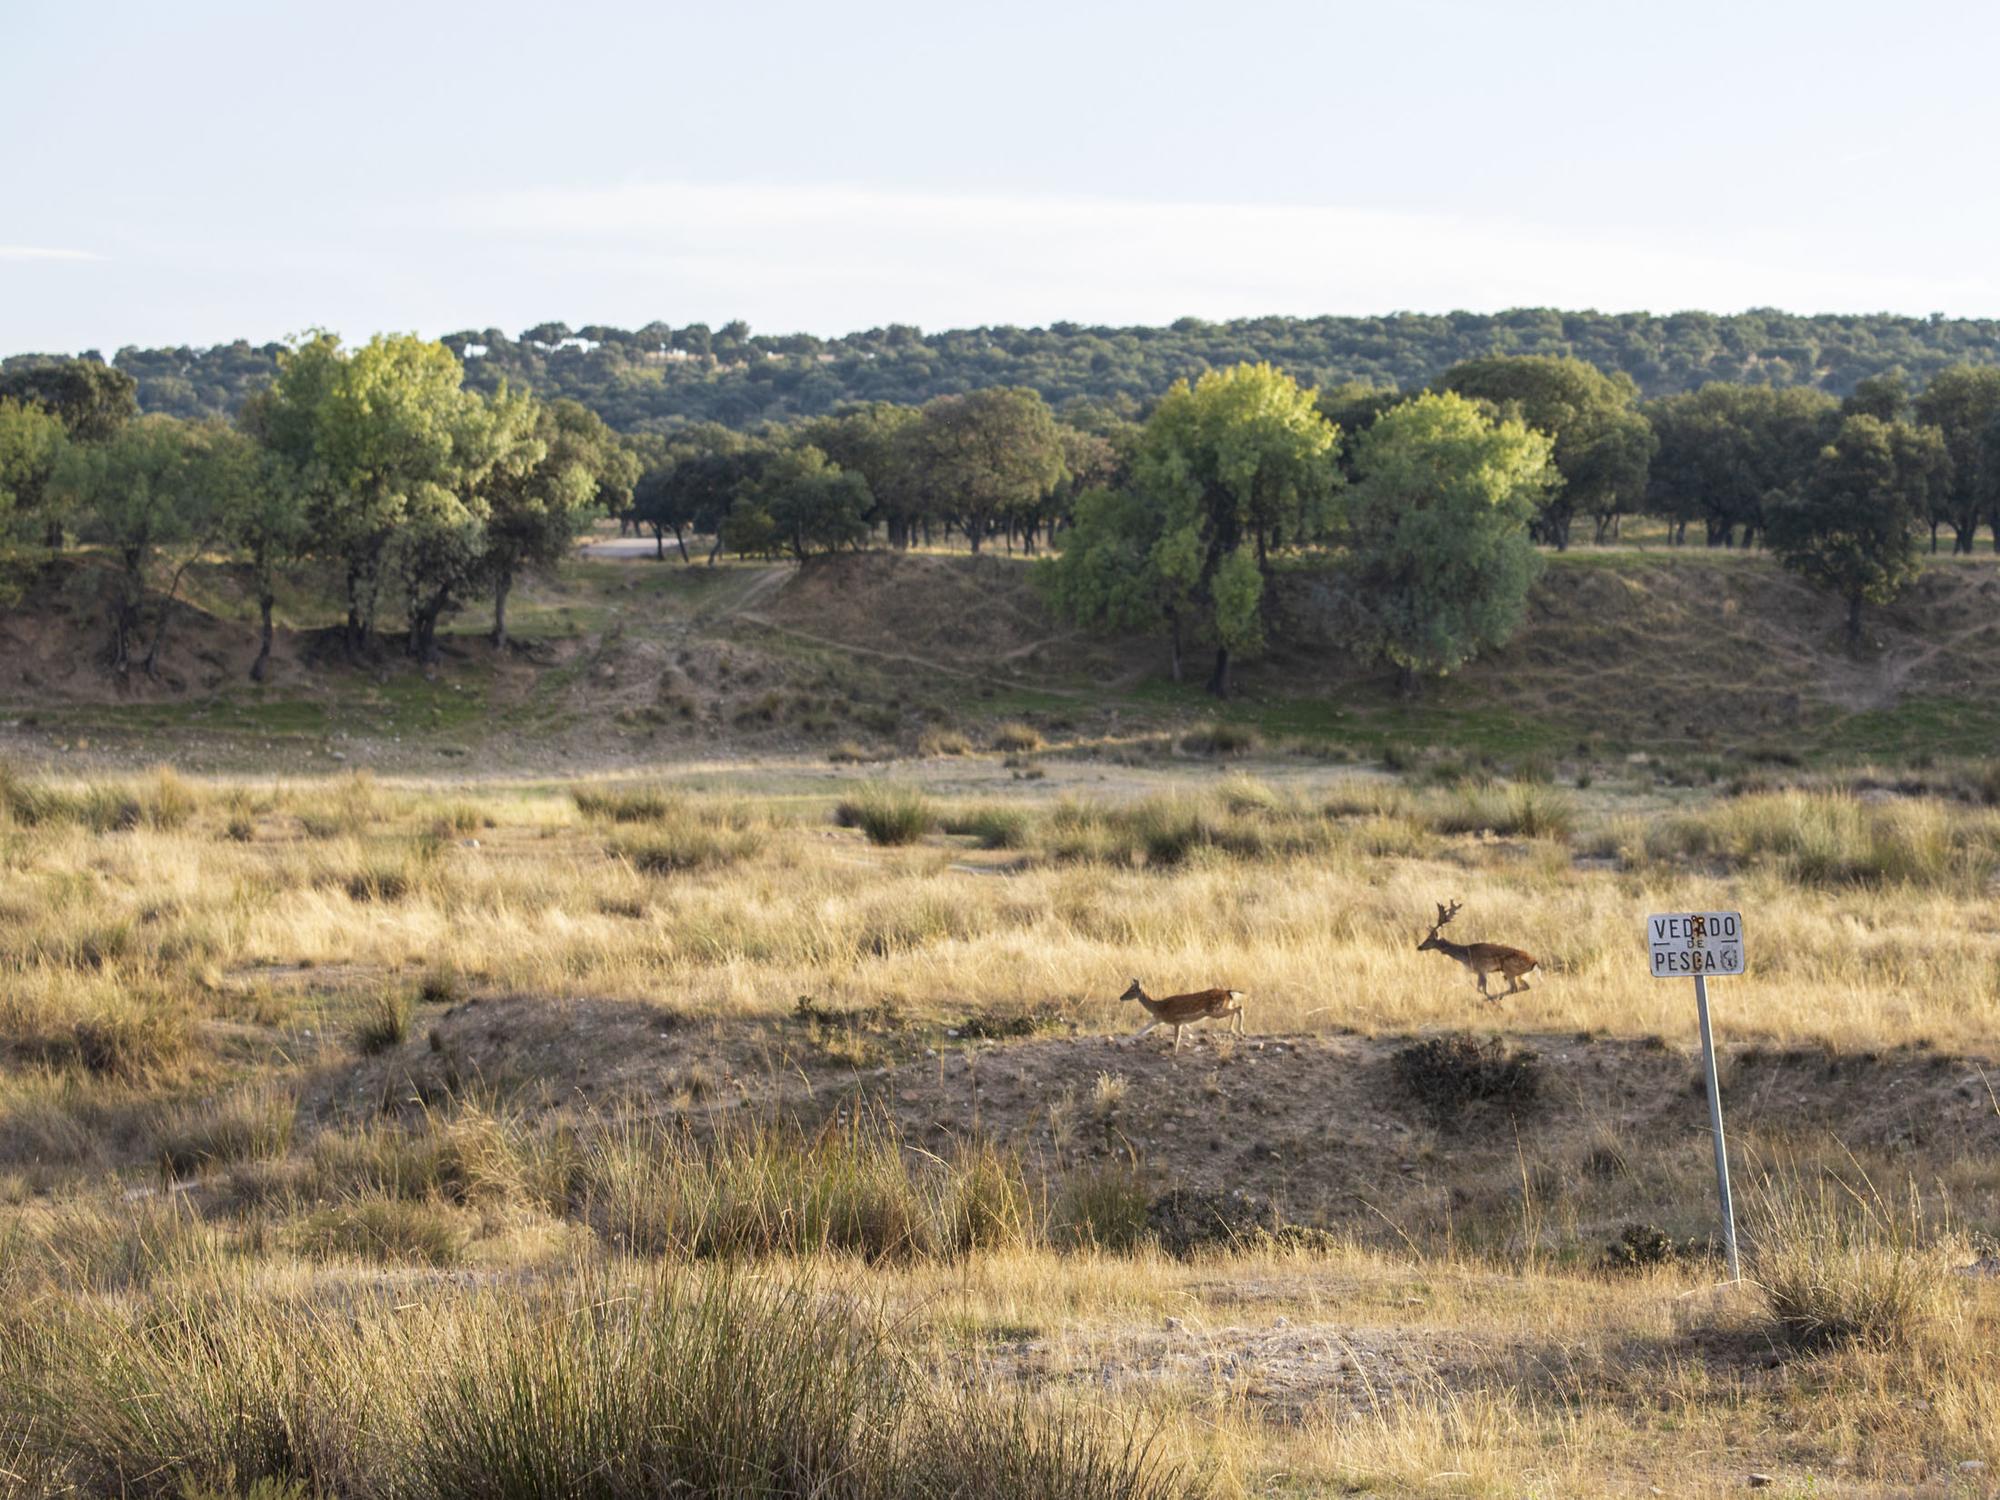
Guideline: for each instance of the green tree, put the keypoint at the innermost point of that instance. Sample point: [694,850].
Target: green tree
[1438,531]
[376,440]
[154,486]
[1602,444]
[989,457]
[1726,450]
[264,518]
[1851,528]
[1109,575]
[802,502]
[1963,402]
[873,441]
[31,443]
[90,398]
[1243,461]
[541,493]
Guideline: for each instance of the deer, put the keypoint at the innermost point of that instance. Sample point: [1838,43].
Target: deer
[1480,959]
[1184,1010]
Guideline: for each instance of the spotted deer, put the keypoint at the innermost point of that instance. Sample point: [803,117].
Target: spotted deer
[1184,1010]
[1480,959]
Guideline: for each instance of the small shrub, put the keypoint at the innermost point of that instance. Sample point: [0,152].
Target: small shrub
[944,742]
[1446,1074]
[849,753]
[887,815]
[1641,1247]
[1017,738]
[241,828]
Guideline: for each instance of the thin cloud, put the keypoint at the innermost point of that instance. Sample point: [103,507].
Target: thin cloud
[44,252]
[989,257]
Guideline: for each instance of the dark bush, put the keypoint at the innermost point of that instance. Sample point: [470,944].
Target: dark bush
[1445,1074]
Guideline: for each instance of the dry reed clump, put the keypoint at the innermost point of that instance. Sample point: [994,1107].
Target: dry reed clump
[1833,838]
[994,825]
[604,1385]
[397,1231]
[1508,810]
[887,814]
[684,835]
[940,742]
[640,804]
[1843,1264]
[384,1022]
[1166,831]
[345,809]
[1017,738]
[253,1123]
[766,1190]
[1219,738]
[163,801]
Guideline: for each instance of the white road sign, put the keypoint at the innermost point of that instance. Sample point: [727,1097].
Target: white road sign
[1688,943]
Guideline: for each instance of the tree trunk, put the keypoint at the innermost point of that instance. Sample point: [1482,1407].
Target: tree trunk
[262,665]
[1934,544]
[1174,644]
[1854,621]
[680,541]
[1406,682]
[1961,537]
[1218,680]
[659,545]
[502,587]
[715,551]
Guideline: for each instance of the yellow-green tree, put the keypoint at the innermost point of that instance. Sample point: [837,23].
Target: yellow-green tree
[1438,532]
[1238,466]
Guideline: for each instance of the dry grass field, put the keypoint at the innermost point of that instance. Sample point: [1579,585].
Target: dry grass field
[767,1130]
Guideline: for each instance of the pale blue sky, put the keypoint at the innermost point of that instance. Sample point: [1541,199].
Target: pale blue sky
[196,171]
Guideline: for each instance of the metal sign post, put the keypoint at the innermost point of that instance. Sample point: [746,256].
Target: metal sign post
[1701,944]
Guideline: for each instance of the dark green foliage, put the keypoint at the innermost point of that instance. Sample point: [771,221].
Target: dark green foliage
[1446,1074]
[1640,1247]
[657,378]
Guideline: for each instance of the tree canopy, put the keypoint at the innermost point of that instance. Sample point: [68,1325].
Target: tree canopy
[1438,523]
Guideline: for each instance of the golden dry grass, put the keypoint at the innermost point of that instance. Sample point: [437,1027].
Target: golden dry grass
[181,981]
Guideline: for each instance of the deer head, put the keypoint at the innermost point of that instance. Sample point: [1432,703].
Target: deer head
[1134,993]
[1445,914]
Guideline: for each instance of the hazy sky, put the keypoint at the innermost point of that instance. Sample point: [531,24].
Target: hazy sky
[192,172]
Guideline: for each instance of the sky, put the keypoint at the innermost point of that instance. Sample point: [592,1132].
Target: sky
[199,172]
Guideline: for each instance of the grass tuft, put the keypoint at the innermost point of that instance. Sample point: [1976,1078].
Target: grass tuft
[887,815]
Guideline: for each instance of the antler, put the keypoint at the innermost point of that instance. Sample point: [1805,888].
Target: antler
[1445,915]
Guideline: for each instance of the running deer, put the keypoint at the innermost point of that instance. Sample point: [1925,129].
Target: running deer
[1480,959]
[1184,1010]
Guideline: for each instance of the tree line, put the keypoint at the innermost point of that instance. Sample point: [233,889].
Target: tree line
[386,464]
[1422,509]
[659,376]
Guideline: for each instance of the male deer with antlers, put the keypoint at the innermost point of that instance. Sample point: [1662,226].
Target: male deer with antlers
[1480,959]
[1184,1010]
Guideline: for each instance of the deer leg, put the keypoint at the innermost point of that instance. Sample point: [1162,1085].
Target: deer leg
[1177,1039]
[1239,1020]
[1144,1029]
[1481,977]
